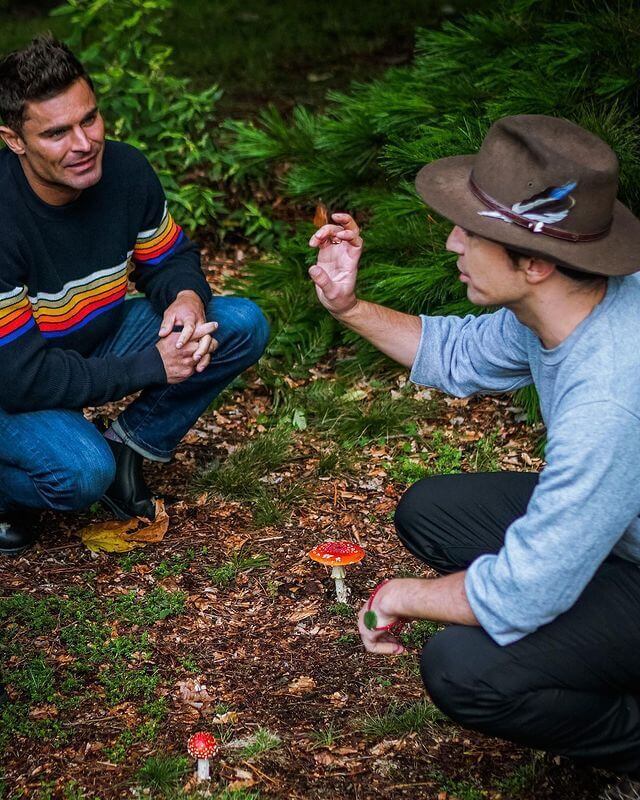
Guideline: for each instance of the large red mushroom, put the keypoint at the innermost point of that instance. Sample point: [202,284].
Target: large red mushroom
[202,745]
[338,555]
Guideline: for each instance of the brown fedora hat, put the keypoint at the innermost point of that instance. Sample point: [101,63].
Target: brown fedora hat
[542,185]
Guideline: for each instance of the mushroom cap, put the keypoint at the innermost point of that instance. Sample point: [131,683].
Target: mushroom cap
[202,745]
[337,554]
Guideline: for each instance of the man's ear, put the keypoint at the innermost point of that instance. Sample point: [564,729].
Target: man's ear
[12,139]
[539,270]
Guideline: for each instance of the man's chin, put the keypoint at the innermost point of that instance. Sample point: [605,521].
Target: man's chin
[85,180]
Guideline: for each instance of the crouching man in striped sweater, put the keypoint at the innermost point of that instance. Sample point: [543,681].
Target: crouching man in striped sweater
[80,215]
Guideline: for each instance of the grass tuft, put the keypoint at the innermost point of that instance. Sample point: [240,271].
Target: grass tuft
[163,772]
[240,561]
[261,742]
[238,477]
[398,720]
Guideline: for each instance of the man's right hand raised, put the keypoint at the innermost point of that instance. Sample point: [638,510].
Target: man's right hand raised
[334,274]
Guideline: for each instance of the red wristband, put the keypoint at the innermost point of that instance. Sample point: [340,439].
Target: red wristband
[392,627]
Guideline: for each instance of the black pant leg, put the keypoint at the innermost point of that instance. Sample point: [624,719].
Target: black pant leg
[572,687]
[449,520]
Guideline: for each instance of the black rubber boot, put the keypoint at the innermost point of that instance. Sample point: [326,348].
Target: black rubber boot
[18,531]
[128,496]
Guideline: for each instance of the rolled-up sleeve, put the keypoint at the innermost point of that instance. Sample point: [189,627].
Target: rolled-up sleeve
[468,355]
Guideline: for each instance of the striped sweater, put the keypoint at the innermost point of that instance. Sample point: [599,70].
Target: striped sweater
[63,280]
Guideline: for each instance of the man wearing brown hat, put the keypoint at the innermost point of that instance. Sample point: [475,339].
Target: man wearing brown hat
[540,583]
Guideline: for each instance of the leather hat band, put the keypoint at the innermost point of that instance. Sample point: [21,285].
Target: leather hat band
[534,227]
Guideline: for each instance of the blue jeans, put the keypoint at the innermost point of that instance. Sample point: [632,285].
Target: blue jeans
[57,459]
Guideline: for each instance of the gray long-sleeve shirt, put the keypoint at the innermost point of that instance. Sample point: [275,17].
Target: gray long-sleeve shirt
[587,502]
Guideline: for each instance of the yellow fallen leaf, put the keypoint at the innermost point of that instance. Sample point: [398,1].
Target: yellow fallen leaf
[119,537]
[238,786]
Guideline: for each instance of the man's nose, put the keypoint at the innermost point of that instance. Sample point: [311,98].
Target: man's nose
[456,240]
[80,141]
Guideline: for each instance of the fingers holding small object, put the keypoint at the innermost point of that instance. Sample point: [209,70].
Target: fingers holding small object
[350,226]
[323,234]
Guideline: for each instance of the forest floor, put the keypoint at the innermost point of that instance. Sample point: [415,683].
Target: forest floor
[112,660]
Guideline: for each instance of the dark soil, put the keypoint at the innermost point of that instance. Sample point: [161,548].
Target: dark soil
[266,650]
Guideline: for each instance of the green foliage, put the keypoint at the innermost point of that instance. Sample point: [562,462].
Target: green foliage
[238,562]
[261,742]
[175,565]
[35,679]
[163,772]
[521,781]
[578,60]
[325,738]
[123,681]
[484,457]
[341,610]
[398,720]
[462,790]
[145,104]
[447,458]
[419,632]
[237,477]
[354,415]
[158,604]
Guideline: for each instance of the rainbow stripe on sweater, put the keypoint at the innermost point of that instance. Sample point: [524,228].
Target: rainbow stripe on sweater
[15,314]
[79,301]
[62,313]
[154,245]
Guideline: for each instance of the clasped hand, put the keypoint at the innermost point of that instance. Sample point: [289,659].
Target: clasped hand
[190,349]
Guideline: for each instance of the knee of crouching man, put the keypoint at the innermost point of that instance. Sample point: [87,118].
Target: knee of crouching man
[449,673]
[252,328]
[77,484]
[243,329]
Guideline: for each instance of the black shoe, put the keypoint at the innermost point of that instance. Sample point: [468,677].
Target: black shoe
[128,496]
[18,531]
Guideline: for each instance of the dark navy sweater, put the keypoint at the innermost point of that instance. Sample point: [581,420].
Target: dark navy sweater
[63,280]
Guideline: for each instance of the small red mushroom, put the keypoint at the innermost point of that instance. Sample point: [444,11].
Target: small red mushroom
[202,746]
[337,555]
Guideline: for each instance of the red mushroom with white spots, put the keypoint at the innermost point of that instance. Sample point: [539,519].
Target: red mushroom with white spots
[202,746]
[338,555]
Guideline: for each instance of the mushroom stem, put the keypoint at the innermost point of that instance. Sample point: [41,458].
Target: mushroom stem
[203,770]
[338,575]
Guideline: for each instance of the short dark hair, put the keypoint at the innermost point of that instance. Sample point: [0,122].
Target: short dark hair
[41,70]
[575,274]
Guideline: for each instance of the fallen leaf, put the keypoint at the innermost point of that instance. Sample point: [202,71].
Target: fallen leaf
[194,694]
[46,711]
[237,786]
[109,536]
[301,685]
[225,719]
[321,216]
[119,537]
[244,774]
[305,611]
[325,759]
